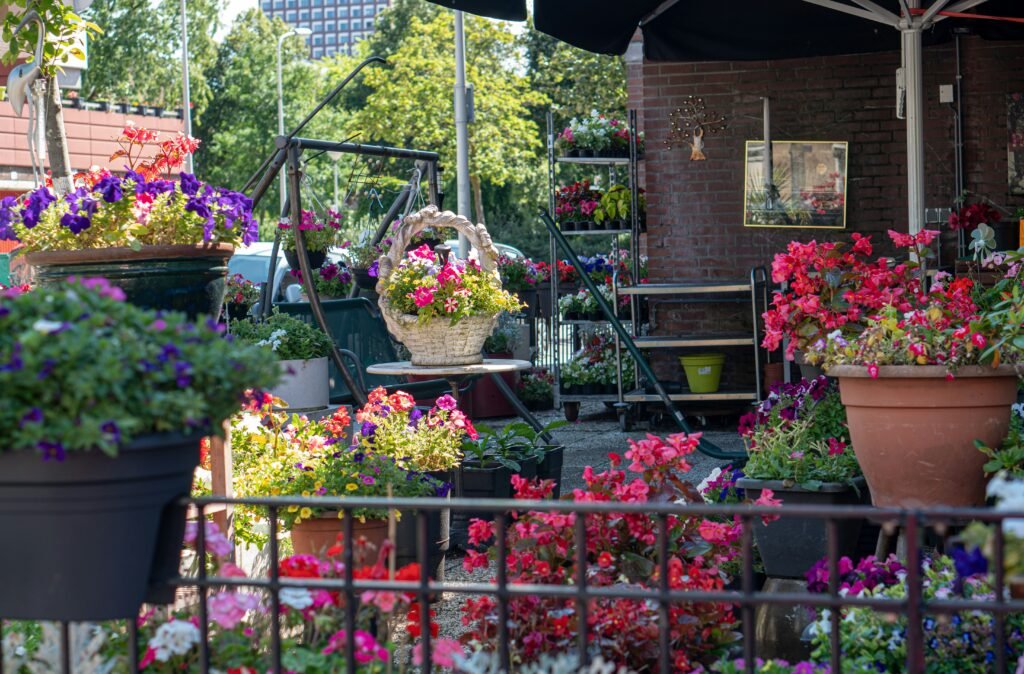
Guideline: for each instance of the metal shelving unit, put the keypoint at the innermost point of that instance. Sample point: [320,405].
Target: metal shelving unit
[633,231]
[753,291]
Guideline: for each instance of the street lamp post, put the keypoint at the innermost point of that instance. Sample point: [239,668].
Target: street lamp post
[280,97]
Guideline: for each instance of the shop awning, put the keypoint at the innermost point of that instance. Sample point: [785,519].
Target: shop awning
[741,30]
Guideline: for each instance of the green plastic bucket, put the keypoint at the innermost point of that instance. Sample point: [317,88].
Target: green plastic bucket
[703,371]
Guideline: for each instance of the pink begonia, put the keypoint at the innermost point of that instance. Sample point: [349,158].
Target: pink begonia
[228,608]
[385,601]
[767,498]
[443,653]
[422,297]
[216,542]
[367,648]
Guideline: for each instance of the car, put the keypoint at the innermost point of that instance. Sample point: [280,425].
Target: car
[253,261]
[503,249]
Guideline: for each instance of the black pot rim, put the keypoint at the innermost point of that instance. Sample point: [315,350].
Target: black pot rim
[784,486]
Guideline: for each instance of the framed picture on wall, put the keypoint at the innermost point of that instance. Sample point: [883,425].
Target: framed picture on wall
[807,187]
[1015,142]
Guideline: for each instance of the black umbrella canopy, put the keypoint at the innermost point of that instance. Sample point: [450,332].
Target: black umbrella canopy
[732,30]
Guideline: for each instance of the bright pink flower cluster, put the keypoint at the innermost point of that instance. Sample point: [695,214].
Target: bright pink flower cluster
[578,200]
[543,549]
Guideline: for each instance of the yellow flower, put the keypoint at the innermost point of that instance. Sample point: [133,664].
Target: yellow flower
[351,486]
[293,508]
[318,485]
[305,494]
[306,513]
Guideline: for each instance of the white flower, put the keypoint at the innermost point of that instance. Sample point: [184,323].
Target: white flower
[47,327]
[176,637]
[298,598]
[703,486]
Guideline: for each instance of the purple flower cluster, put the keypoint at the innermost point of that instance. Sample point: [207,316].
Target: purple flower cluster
[232,208]
[792,397]
[868,574]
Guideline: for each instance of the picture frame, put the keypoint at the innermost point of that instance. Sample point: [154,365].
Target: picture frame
[807,189]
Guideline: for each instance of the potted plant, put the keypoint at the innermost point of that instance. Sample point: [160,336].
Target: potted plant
[932,371]
[424,442]
[363,256]
[281,454]
[164,242]
[442,310]
[536,389]
[240,297]
[798,445]
[969,216]
[332,281]
[485,400]
[104,406]
[301,351]
[319,234]
[575,206]
[615,209]
[521,276]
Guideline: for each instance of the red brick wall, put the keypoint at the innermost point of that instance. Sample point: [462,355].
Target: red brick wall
[695,227]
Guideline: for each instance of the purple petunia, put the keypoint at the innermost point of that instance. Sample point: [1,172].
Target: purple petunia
[189,184]
[38,201]
[374,269]
[51,451]
[110,189]
[15,363]
[183,374]
[33,416]
[8,215]
[111,430]
[368,429]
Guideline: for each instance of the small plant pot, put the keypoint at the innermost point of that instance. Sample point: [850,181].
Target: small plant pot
[567,225]
[237,312]
[490,480]
[315,535]
[583,226]
[571,152]
[304,384]
[571,411]
[790,546]
[528,468]
[703,371]
[572,315]
[363,279]
[586,152]
[317,258]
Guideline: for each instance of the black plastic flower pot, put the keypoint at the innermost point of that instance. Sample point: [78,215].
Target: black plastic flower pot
[317,258]
[363,279]
[550,467]
[528,468]
[489,480]
[567,225]
[438,530]
[191,279]
[790,546]
[92,537]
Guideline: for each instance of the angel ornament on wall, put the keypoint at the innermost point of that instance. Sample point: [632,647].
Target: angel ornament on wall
[689,123]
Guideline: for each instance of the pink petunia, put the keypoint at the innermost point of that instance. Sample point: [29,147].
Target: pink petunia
[422,297]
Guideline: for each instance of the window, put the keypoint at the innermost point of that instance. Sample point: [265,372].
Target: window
[368,24]
[331,38]
[343,25]
[318,14]
[304,15]
[343,39]
[329,13]
[317,53]
[318,39]
[357,25]
[356,11]
[318,26]
[290,16]
[303,3]
[343,11]
[291,4]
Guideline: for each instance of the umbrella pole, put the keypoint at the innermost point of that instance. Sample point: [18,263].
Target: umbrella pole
[912,66]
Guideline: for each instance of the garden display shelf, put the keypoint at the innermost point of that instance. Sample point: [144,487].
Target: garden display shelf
[595,232]
[594,161]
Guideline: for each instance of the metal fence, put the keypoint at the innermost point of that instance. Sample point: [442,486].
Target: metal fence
[915,607]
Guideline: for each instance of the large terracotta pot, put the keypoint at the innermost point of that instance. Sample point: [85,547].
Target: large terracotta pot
[172,278]
[913,430]
[314,536]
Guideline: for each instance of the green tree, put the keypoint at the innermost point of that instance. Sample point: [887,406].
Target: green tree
[410,100]
[137,58]
[574,81]
[239,126]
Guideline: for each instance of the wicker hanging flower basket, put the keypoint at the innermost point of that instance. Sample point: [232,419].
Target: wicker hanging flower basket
[438,342]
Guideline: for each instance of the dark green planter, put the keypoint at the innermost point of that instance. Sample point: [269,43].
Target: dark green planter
[92,537]
[790,546]
[317,258]
[190,279]
[550,468]
[363,279]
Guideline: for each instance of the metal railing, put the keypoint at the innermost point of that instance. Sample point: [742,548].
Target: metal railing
[915,606]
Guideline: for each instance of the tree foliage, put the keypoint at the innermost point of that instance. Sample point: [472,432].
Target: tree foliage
[137,58]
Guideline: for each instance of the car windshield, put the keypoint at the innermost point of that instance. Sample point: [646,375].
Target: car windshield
[251,267]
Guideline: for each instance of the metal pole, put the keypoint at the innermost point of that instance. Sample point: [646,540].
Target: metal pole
[912,65]
[186,95]
[283,184]
[461,130]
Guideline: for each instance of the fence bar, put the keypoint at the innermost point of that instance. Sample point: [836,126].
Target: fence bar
[275,593]
[350,597]
[915,633]
[204,621]
[2,647]
[133,645]
[581,589]
[65,647]
[747,608]
[999,548]
[664,659]
[832,532]
[501,534]
[422,553]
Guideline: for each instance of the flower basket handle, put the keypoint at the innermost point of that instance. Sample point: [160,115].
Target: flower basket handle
[431,217]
